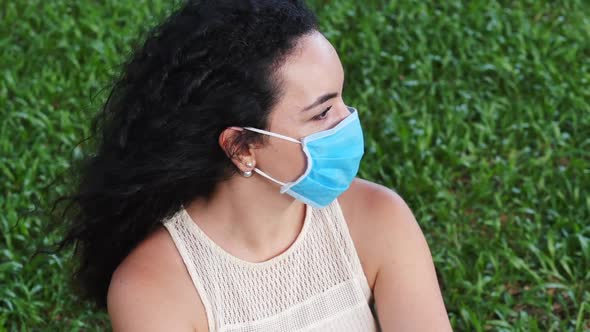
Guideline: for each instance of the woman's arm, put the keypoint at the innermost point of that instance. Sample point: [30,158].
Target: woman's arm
[407,293]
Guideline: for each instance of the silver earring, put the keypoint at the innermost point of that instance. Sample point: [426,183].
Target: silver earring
[248,173]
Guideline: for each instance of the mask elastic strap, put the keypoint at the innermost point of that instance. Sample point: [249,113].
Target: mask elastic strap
[257,170]
[272,134]
[268,176]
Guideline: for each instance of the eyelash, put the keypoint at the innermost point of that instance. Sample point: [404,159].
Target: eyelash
[319,118]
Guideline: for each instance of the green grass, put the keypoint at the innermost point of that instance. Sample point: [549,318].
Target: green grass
[476,112]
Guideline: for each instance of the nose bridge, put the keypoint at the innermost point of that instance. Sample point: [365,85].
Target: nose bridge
[346,111]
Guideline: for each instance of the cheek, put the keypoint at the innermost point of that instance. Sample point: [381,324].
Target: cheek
[283,160]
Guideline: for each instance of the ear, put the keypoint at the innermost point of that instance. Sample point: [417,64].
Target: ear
[239,155]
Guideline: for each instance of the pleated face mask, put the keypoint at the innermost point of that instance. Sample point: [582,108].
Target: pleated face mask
[333,159]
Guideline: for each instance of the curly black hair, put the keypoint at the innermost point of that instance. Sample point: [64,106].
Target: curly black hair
[209,65]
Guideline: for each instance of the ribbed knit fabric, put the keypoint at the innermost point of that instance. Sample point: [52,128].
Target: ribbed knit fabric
[317,284]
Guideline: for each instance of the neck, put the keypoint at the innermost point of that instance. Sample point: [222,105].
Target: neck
[251,214]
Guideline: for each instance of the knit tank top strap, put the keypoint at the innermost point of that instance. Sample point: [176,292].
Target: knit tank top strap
[317,284]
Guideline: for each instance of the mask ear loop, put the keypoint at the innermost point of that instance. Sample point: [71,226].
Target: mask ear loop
[275,135]
[259,171]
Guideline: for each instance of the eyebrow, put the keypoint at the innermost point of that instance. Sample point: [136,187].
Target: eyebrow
[320,101]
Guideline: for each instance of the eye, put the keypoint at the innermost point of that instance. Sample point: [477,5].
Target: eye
[322,115]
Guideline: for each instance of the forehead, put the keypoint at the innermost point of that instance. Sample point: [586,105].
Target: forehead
[313,69]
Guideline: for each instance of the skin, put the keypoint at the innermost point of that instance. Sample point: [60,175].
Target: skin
[151,289]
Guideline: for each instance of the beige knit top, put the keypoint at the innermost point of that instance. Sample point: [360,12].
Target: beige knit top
[317,284]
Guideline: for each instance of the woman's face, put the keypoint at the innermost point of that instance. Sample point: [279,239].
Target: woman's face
[312,82]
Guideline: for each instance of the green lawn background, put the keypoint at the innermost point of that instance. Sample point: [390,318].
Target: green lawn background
[476,112]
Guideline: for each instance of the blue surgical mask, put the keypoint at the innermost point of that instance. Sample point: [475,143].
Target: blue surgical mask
[333,158]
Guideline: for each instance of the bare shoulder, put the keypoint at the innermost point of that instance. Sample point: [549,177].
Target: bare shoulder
[152,291]
[382,212]
[371,199]
[406,289]
[366,206]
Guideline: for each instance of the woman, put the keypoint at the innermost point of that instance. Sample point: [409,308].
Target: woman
[223,193]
